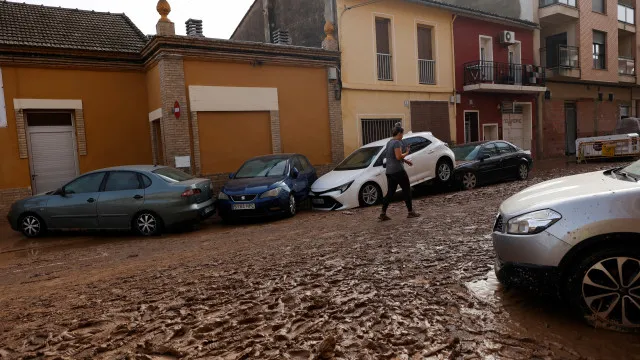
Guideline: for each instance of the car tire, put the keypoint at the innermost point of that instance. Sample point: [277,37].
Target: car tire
[292,206]
[444,171]
[31,226]
[602,305]
[370,194]
[147,223]
[523,171]
[469,180]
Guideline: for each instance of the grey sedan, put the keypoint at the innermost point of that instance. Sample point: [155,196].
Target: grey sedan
[144,199]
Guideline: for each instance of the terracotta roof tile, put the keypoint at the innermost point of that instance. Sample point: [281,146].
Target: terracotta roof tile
[55,27]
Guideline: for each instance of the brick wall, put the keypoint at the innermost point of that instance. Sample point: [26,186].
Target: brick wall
[553,127]
[175,132]
[8,197]
[597,118]
[608,23]
[335,123]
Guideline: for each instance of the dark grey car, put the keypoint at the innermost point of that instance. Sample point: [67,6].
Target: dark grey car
[144,198]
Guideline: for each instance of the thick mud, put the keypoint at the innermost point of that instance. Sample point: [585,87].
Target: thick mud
[319,286]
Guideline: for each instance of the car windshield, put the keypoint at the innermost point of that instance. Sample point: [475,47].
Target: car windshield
[469,152]
[361,159]
[633,170]
[262,168]
[172,175]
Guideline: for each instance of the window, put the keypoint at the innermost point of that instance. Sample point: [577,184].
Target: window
[417,143]
[599,50]
[377,129]
[598,6]
[383,48]
[145,181]
[626,14]
[86,184]
[504,148]
[171,175]
[263,167]
[491,150]
[426,63]
[361,159]
[306,165]
[544,3]
[122,180]
[297,164]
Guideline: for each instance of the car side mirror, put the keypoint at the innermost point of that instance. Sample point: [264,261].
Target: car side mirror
[294,173]
[231,175]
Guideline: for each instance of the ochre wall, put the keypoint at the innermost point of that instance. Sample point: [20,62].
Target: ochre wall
[115,113]
[153,88]
[228,139]
[302,99]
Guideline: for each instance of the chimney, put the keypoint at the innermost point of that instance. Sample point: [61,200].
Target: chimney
[194,28]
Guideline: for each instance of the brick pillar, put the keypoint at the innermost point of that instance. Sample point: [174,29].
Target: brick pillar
[335,122]
[175,132]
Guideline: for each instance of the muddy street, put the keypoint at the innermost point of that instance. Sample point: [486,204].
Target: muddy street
[320,285]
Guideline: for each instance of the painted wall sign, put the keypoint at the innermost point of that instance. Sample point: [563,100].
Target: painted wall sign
[176,110]
[3,107]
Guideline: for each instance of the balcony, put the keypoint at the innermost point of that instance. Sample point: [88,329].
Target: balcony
[626,18]
[384,67]
[561,61]
[558,11]
[489,76]
[627,70]
[427,71]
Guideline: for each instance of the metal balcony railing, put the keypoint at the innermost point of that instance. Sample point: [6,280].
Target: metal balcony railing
[544,3]
[626,66]
[427,71]
[479,72]
[560,57]
[384,67]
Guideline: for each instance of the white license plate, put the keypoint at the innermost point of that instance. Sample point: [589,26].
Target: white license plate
[207,210]
[318,201]
[244,206]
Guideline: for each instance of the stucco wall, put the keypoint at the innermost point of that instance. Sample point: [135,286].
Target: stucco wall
[115,116]
[154,99]
[302,99]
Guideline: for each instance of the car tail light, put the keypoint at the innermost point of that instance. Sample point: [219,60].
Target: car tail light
[191,192]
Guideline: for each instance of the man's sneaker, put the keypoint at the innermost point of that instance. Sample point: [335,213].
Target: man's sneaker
[413,215]
[384,217]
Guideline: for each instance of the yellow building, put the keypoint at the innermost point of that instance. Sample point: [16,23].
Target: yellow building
[397,66]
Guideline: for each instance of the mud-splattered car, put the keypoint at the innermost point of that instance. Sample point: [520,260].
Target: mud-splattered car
[583,232]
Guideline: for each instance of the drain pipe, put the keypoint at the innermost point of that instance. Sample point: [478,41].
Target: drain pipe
[453,75]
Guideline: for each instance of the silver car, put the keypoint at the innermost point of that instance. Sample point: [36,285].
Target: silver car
[582,234]
[145,199]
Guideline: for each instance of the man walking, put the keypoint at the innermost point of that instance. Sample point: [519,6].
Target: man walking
[396,175]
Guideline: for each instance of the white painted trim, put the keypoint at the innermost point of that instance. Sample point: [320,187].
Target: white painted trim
[464,118]
[480,46]
[392,38]
[46,104]
[3,106]
[155,114]
[227,98]
[484,126]
[513,89]
[377,116]
[434,48]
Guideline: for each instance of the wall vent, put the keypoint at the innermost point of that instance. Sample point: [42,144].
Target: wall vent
[281,37]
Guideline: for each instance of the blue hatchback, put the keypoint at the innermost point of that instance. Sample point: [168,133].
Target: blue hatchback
[267,185]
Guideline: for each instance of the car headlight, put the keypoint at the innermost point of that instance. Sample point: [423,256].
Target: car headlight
[342,188]
[271,193]
[223,196]
[533,223]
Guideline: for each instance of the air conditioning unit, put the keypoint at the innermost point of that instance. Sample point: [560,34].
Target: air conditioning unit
[508,37]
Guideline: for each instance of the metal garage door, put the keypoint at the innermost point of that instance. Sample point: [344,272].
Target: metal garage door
[51,150]
[431,116]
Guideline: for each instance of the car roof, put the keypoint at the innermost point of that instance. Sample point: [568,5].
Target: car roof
[147,168]
[384,142]
[274,156]
[478,143]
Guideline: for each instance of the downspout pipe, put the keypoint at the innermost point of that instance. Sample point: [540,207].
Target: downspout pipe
[453,75]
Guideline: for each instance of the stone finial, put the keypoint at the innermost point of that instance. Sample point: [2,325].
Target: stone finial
[164,9]
[330,42]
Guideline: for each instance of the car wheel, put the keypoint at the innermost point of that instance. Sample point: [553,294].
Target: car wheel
[443,171]
[370,195]
[147,224]
[292,206]
[605,289]
[469,180]
[523,171]
[32,226]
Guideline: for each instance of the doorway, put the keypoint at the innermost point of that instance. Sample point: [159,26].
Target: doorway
[52,150]
[486,58]
[570,127]
[471,126]
[515,63]
[157,139]
[517,124]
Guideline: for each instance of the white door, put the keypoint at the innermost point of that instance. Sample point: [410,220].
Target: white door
[424,164]
[515,63]
[51,150]
[513,129]
[490,132]
[486,58]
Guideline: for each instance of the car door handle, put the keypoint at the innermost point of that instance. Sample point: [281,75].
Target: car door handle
[138,197]
[91,200]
